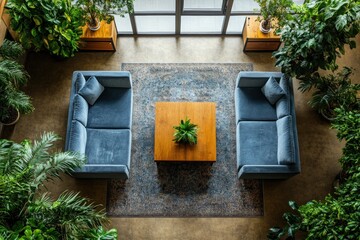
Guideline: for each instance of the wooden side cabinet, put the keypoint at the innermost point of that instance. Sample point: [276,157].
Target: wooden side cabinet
[255,40]
[103,39]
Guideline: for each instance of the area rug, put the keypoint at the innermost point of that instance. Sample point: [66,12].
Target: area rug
[183,189]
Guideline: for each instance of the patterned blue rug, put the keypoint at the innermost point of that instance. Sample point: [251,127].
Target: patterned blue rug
[184,189]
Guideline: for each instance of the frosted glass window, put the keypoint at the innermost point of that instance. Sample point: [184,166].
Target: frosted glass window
[203,5]
[236,24]
[245,6]
[123,24]
[155,24]
[154,6]
[201,24]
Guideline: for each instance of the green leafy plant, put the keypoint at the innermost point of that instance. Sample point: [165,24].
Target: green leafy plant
[331,92]
[13,77]
[54,25]
[338,215]
[24,214]
[293,225]
[186,132]
[94,11]
[274,12]
[317,35]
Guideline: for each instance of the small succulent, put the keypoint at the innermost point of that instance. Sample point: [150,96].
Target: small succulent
[186,132]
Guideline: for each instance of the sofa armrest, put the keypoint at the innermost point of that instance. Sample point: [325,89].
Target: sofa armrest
[106,171]
[255,79]
[268,171]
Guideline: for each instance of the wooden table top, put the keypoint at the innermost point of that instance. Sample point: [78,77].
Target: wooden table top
[105,32]
[253,31]
[169,114]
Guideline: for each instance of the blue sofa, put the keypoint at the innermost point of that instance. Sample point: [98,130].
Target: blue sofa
[266,134]
[99,122]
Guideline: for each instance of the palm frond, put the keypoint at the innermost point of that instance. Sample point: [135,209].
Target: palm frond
[72,214]
[11,50]
[13,72]
[39,151]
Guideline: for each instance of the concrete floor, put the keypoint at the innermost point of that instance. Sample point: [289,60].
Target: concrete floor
[319,147]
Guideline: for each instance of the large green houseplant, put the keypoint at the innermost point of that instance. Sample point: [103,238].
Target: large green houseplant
[25,214]
[94,11]
[331,92]
[338,215]
[317,35]
[53,25]
[13,77]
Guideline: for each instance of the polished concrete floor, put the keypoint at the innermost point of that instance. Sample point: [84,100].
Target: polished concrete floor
[319,147]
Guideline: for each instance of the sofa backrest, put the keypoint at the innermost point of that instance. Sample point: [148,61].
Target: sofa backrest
[255,79]
[120,79]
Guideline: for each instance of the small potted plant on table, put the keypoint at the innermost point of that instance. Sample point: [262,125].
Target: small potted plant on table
[272,11]
[186,133]
[95,11]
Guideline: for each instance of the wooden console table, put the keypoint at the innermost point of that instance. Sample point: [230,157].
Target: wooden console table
[255,40]
[169,114]
[103,39]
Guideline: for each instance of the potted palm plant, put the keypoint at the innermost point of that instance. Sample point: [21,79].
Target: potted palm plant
[94,11]
[186,132]
[273,13]
[27,214]
[13,76]
[331,92]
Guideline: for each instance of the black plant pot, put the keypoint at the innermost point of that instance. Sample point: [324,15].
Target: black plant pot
[7,127]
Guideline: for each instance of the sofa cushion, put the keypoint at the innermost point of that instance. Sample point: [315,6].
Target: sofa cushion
[108,146]
[256,143]
[92,90]
[283,104]
[77,138]
[272,90]
[79,82]
[285,151]
[112,109]
[251,104]
[81,109]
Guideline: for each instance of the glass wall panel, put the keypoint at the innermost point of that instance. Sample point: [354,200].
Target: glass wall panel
[236,25]
[206,5]
[154,6]
[155,24]
[201,24]
[123,24]
[245,6]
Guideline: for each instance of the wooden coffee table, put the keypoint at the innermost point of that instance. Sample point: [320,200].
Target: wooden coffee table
[169,114]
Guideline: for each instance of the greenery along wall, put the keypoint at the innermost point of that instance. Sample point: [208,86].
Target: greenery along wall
[24,168]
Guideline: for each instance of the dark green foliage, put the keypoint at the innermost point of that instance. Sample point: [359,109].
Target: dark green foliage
[338,216]
[24,168]
[12,78]
[54,25]
[332,91]
[347,124]
[186,132]
[317,36]
[293,225]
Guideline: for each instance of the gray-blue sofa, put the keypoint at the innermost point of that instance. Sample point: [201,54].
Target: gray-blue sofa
[99,122]
[266,134]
